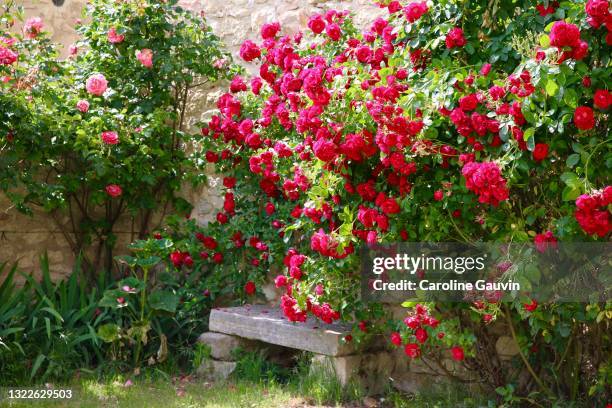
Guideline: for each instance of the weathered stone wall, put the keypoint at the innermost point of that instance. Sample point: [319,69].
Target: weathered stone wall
[24,238]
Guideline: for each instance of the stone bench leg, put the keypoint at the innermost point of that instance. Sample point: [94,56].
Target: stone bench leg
[370,370]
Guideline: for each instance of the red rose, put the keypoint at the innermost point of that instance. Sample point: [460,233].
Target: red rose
[584,118]
[217,257]
[270,30]
[316,24]
[363,54]
[531,307]
[325,150]
[421,335]
[176,258]
[438,195]
[457,353]
[412,350]
[563,34]
[113,190]
[540,151]
[414,11]
[390,206]
[250,288]
[229,182]
[222,218]
[455,38]
[334,32]
[249,51]
[212,157]
[544,241]
[363,326]
[396,339]
[280,281]
[468,103]
[602,98]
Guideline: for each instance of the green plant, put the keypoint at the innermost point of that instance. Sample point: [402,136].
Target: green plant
[103,134]
[49,328]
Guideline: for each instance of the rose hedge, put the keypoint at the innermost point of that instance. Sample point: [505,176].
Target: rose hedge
[102,134]
[453,121]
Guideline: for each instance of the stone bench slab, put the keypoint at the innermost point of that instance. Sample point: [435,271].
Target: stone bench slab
[266,324]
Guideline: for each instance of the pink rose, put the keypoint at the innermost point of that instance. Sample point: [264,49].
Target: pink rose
[96,84]
[269,30]
[113,190]
[110,137]
[7,56]
[145,56]
[82,105]
[249,51]
[33,27]
[113,37]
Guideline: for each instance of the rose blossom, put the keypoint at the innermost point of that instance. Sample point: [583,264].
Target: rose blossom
[455,38]
[249,51]
[110,138]
[602,98]
[113,37]
[540,151]
[584,118]
[270,30]
[33,27]
[7,56]
[145,56]
[82,105]
[96,84]
[113,190]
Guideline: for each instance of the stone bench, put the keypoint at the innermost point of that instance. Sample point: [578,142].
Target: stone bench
[252,326]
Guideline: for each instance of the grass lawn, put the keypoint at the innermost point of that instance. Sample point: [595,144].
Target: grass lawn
[191,392]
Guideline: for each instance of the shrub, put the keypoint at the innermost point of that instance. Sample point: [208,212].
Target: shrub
[445,121]
[103,134]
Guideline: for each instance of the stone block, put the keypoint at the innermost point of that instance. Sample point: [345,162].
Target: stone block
[266,324]
[506,347]
[212,370]
[371,371]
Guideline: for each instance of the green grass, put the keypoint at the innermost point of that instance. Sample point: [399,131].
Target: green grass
[163,393]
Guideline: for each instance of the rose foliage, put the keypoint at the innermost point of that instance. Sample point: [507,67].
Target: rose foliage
[101,134]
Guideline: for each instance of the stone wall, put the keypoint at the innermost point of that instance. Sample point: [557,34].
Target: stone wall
[24,238]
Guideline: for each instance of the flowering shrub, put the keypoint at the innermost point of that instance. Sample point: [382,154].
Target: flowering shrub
[432,125]
[103,133]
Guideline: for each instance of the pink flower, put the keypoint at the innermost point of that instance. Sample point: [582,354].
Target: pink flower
[96,84]
[33,27]
[7,56]
[113,190]
[545,241]
[564,34]
[113,37]
[414,11]
[145,56]
[110,138]
[82,105]
[333,31]
[270,30]
[316,24]
[486,68]
[249,51]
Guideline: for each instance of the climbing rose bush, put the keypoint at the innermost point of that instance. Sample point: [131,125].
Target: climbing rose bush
[103,135]
[442,121]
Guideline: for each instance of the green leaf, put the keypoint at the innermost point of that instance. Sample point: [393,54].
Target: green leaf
[163,300]
[109,332]
[572,160]
[528,133]
[551,87]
